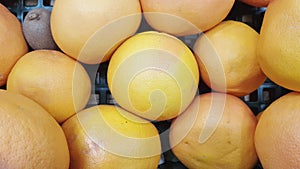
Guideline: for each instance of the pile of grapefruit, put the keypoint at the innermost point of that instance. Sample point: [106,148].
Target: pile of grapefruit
[154,77]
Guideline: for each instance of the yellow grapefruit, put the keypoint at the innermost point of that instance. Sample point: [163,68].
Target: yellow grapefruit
[30,137]
[154,75]
[55,81]
[12,42]
[216,131]
[278,44]
[91,30]
[108,137]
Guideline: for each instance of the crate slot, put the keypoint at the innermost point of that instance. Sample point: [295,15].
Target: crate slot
[252,97]
[268,94]
[48,2]
[30,3]
[10,3]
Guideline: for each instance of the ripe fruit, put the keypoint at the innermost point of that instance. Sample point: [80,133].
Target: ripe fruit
[107,137]
[83,29]
[185,17]
[13,45]
[30,137]
[216,131]
[153,75]
[278,44]
[256,3]
[36,29]
[277,133]
[55,81]
[227,58]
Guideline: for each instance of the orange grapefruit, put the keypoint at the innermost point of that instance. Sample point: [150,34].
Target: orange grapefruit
[12,42]
[55,81]
[216,131]
[277,134]
[227,58]
[30,137]
[108,137]
[185,17]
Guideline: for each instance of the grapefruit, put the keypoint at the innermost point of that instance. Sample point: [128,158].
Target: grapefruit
[227,58]
[54,80]
[12,42]
[277,134]
[30,137]
[90,31]
[216,131]
[278,44]
[185,17]
[153,75]
[107,137]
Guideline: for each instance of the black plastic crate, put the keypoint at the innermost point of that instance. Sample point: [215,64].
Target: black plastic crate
[21,7]
[257,100]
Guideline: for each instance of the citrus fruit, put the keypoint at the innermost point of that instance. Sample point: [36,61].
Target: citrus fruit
[277,133]
[13,44]
[227,58]
[185,17]
[154,75]
[278,44]
[30,137]
[55,81]
[90,31]
[106,136]
[256,3]
[216,131]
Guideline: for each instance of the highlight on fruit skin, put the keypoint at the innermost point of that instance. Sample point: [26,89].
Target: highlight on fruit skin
[54,80]
[185,17]
[107,136]
[86,34]
[153,75]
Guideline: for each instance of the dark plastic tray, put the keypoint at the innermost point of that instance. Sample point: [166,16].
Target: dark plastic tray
[257,100]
